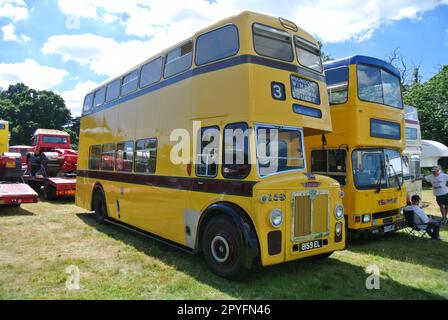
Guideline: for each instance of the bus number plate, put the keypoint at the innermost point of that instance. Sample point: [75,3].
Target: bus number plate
[389,228]
[310,245]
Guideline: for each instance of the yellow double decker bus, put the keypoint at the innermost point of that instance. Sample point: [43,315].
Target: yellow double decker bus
[364,150]
[244,92]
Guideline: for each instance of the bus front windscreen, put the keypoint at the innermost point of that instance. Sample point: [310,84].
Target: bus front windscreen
[279,149]
[377,168]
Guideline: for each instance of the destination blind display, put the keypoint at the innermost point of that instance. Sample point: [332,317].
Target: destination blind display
[305,90]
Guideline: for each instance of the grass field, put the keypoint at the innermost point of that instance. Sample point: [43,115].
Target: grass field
[38,242]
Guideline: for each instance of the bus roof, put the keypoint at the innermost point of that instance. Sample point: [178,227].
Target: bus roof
[358,59]
[51,132]
[249,15]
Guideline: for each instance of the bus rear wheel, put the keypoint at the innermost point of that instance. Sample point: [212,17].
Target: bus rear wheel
[223,248]
[99,207]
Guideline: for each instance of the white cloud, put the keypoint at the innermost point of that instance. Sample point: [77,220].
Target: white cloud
[74,98]
[32,74]
[13,9]
[9,34]
[163,23]
[332,21]
[104,56]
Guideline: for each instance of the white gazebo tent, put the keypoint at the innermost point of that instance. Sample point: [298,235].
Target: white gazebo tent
[432,151]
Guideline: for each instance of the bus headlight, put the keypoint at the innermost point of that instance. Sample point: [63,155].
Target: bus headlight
[366,218]
[276,218]
[339,212]
[338,229]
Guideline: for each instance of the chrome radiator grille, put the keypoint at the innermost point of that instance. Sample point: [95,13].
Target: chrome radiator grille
[310,214]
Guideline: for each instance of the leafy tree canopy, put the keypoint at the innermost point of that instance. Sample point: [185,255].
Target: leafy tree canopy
[27,109]
[431,99]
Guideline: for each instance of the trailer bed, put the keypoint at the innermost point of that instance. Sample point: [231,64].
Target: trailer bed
[16,194]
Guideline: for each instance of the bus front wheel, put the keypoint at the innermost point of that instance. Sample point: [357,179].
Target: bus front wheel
[223,248]
[99,207]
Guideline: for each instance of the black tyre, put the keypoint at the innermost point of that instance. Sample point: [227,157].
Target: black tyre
[224,248]
[99,206]
[49,192]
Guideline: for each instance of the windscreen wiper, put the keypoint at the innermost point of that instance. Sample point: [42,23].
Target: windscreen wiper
[396,177]
[378,187]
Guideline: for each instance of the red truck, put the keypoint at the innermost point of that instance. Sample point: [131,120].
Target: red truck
[23,150]
[13,192]
[52,164]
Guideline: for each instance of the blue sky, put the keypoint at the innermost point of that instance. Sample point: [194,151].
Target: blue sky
[71,46]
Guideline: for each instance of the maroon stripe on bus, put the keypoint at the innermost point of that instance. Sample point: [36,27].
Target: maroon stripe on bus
[237,188]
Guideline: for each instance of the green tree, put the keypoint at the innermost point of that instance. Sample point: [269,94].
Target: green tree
[27,109]
[431,99]
[73,129]
[325,57]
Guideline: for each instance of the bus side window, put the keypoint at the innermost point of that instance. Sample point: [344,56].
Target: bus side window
[94,157]
[236,151]
[113,90]
[331,163]
[146,156]
[337,84]
[88,101]
[178,60]
[319,161]
[124,156]
[207,153]
[151,72]
[108,157]
[217,44]
[100,96]
[129,83]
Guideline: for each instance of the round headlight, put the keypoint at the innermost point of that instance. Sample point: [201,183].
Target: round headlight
[276,218]
[366,218]
[339,212]
[338,228]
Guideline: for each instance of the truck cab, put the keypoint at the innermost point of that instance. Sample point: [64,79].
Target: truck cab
[46,140]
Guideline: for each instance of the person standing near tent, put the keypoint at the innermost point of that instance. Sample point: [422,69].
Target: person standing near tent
[439,182]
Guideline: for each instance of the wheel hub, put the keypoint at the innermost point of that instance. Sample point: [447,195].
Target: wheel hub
[220,249]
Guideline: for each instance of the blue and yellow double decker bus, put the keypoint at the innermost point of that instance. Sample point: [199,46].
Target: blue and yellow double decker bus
[364,151]
[251,74]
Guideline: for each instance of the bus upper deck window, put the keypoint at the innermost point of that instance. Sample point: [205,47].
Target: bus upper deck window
[379,86]
[217,44]
[179,60]
[151,72]
[88,101]
[337,84]
[100,96]
[130,82]
[308,54]
[113,90]
[272,42]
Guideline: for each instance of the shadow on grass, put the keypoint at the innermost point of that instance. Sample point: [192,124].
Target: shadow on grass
[59,200]
[303,279]
[14,211]
[405,248]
